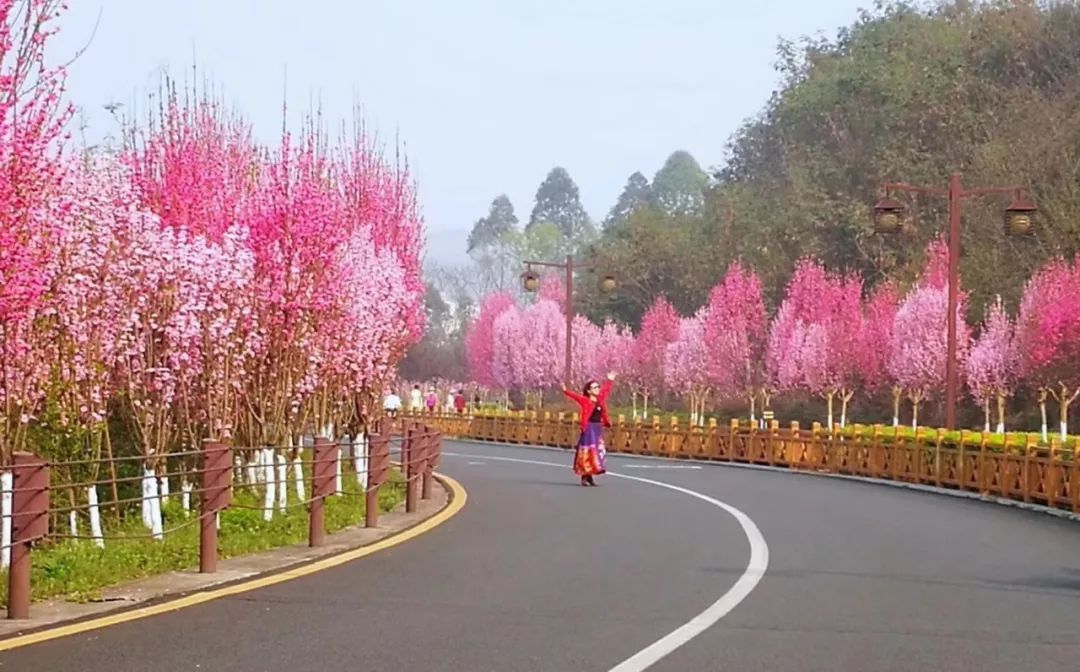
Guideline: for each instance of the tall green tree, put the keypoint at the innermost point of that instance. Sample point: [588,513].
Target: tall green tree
[678,188]
[558,201]
[635,194]
[488,230]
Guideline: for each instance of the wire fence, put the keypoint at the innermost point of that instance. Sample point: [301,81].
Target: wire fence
[262,495]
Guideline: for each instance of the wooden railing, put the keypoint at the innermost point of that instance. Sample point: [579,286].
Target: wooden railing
[1025,472]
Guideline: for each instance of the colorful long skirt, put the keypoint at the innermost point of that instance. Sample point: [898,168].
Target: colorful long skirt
[589,458]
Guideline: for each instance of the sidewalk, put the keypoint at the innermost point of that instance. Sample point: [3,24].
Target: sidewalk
[162,587]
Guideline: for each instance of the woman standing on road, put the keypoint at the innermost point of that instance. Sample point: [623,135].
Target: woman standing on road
[589,456]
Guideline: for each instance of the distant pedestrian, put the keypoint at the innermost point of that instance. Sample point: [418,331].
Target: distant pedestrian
[459,402]
[432,400]
[590,455]
[392,404]
[416,399]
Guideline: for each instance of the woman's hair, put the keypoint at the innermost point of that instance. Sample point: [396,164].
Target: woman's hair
[589,385]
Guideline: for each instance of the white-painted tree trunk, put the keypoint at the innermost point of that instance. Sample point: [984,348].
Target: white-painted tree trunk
[338,485]
[149,485]
[360,462]
[73,524]
[1001,428]
[1045,424]
[298,475]
[163,484]
[95,516]
[156,523]
[266,459]
[185,493]
[282,482]
[251,472]
[7,480]
[1064,431]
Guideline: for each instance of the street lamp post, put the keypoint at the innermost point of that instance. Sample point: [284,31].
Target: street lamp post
[1018,219]
[530,282]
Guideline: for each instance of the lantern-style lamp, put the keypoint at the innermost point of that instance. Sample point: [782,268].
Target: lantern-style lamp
[888,216]
[530,281]
[1019,216]
[608,284]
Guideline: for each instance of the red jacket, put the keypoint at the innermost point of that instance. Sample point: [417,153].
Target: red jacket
[587,405]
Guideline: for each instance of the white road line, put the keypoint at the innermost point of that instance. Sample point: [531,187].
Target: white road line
[662,466]
[755,570]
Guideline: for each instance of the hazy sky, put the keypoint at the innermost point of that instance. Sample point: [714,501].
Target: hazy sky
[488,95]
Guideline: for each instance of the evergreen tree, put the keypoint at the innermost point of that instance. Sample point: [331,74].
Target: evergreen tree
[679,186]
[635,194]
[559,202]
[489,230]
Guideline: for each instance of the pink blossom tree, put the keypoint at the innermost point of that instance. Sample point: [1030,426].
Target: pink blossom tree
[586,350]
[815,334]
[659,327]
[874,344]
[508,340]
[736,329]
[920,341]
[32,122]
[1048,336]
[543,348]
[685,365]
[480,341]
[992,364]
[919,346]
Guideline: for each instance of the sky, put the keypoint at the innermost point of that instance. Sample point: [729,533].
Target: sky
[486,96]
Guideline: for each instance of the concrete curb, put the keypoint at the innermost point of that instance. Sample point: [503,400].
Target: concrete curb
[918,487]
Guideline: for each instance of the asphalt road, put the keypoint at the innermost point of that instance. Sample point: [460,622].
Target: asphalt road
[538,573]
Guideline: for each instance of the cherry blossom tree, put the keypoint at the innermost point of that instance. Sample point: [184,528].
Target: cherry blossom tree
[874,344]
[1048,336]
[659,327]
[32,121]
[815,335]
[480,341]
[993,363]
[736,330]
[543,348]
[586,350]
[685,365]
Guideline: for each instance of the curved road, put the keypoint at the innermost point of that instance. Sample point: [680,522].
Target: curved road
[538,573]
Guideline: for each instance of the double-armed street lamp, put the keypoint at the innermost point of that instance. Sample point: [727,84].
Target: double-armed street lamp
[888,218]
[530,282]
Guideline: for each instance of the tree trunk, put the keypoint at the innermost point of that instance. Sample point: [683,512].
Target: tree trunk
[1043,393]
[753,408]
[897,394]
[633,400]
[986,415]
[845,397]
[95,516]
[282,483]
[1065,400]
[829,396]
[1000,413]
[266,461]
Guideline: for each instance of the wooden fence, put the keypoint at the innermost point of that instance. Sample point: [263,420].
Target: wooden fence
[1024,471]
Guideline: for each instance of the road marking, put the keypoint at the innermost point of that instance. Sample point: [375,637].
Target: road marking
[457,502]
[474,463]
[661,466]
[754,572]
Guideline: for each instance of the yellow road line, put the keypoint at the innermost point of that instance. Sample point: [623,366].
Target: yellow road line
[457,502]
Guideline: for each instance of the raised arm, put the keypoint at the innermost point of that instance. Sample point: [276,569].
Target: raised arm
[605,388]
[579,398]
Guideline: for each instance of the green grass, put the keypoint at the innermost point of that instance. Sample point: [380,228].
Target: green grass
[78,570]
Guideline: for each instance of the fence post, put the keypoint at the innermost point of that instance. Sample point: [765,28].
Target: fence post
[324,463]
[29,523]
[431,445]
[378,466]
[216,495]
[408,452]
